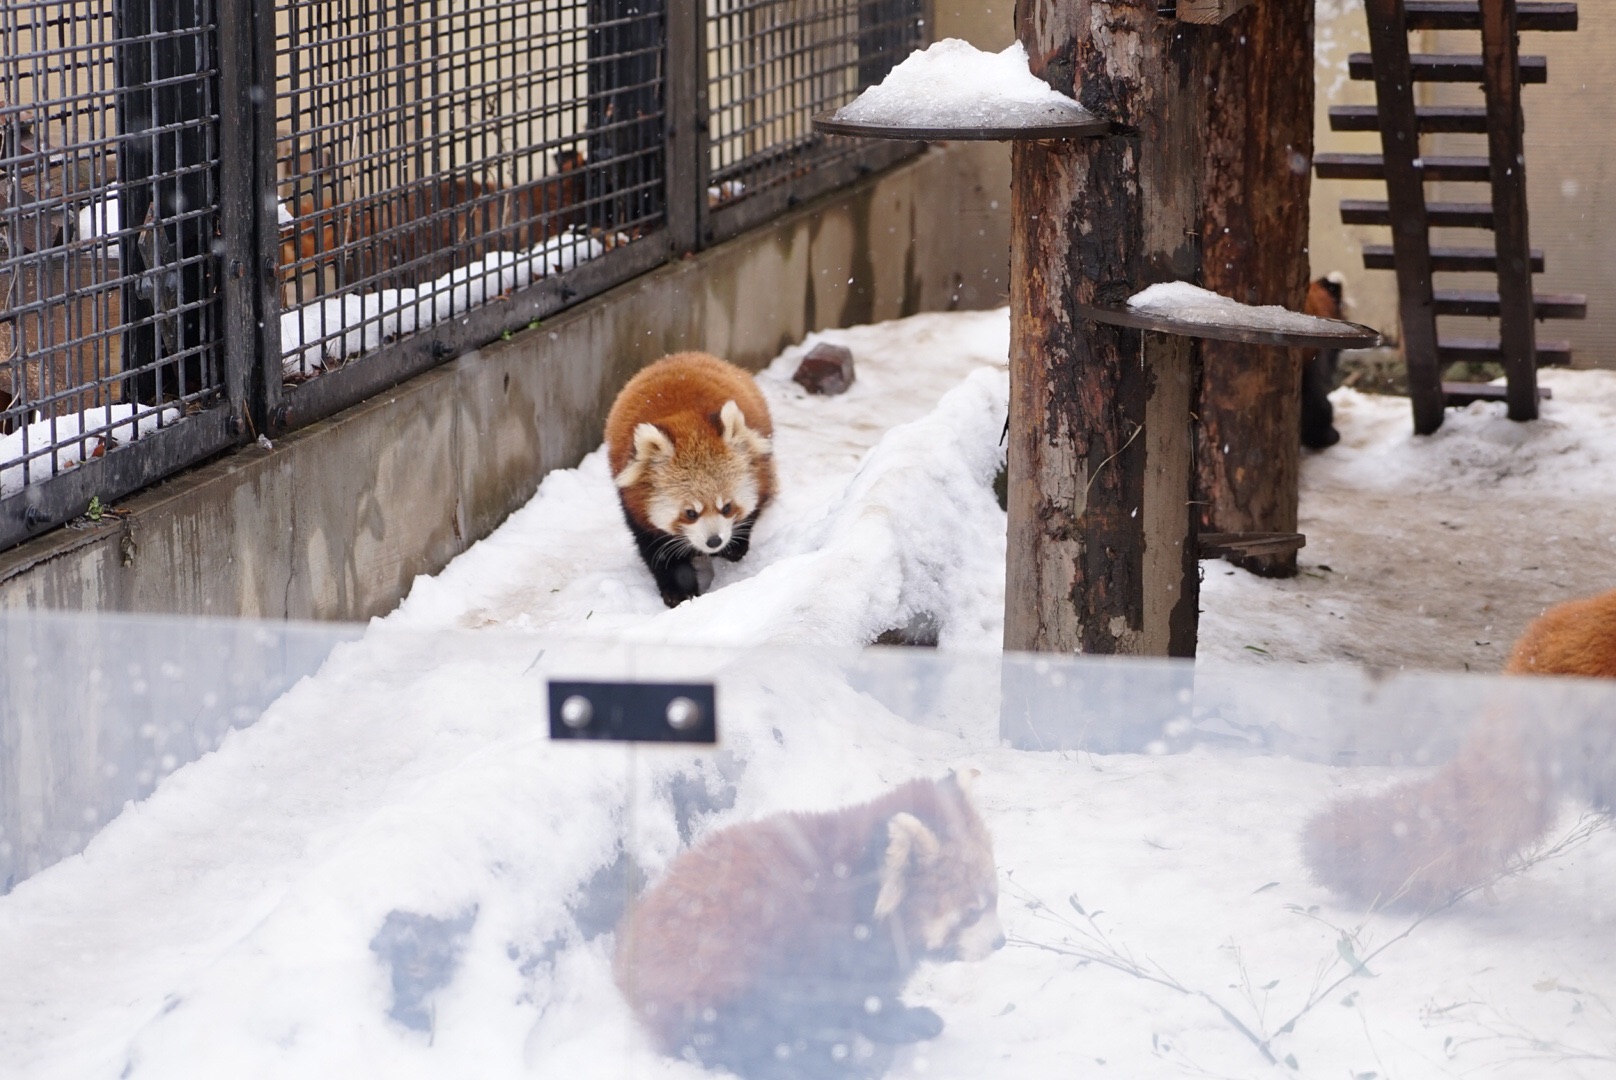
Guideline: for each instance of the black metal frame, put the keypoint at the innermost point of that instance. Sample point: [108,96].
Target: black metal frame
[222,365]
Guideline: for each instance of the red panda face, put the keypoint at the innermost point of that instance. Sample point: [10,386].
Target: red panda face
[941,881]
[702,474]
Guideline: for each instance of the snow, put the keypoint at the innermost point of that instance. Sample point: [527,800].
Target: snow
[395,873]
[100,219]
[952,84]
[1193,304]
[119,422]
[340,327]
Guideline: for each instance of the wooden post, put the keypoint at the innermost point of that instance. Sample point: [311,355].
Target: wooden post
[1405,198]
[1258,113]
[1101,538]
[1506,140]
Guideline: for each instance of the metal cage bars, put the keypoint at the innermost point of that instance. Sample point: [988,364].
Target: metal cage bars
[423,176]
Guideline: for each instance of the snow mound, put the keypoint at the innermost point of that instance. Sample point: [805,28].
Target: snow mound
[885,492]
[1193,304]
[953,84]
[1571,448]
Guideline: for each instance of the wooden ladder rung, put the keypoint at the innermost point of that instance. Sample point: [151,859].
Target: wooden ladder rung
[1485,303]
[1461,119]
[1244,545]
[1459,394]
[1447,215]
[1373,167]
[1466,15]
[1447,259]
[1434,67]
[1487,350]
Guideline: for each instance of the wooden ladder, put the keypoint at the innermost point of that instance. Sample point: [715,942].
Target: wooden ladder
[1501,71]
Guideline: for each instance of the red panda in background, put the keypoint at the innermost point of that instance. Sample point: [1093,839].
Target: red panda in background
[1318,370]
[777,949]
[1421,842]
[688,441]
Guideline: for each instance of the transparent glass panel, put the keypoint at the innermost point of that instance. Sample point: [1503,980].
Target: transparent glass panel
[894,862]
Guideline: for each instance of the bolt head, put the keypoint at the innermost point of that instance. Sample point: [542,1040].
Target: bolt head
[576,712]
[683,714]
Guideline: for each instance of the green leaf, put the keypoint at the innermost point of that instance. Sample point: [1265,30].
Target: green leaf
[1290,1059]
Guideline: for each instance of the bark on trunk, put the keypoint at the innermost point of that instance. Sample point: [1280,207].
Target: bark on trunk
[1259,156]
[1101,544]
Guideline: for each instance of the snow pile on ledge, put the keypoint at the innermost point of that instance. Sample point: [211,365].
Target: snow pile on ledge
[90,428]
[1192,304]
[954,84]
[341,327]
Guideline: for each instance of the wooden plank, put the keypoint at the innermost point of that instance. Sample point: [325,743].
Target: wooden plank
[1452,215]
[1463,119]
[1400,146]
[1466,15]
[1506,145]
[1373,167]
[1459,394]
[1488,304]
[1209,12]
[1487,350]
[1447,259]
[1437,67]
[1237,545]
[1101,555]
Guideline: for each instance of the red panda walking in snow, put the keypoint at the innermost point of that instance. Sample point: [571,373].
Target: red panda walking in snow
[777,949]
[1421,842]
[688,441]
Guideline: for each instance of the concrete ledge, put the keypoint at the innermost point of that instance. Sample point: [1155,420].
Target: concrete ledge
[339,518]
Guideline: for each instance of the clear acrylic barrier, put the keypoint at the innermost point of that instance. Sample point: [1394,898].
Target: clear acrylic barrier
[391,870]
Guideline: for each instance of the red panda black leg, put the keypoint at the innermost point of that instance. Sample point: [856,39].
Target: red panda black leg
[668,559]
[897,1023]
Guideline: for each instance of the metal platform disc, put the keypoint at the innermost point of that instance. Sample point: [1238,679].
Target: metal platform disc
[1349,336]
[1086,127]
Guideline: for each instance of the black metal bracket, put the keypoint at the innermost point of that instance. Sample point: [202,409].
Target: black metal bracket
[634,712]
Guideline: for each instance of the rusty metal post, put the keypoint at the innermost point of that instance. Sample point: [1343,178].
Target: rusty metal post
[1101,538]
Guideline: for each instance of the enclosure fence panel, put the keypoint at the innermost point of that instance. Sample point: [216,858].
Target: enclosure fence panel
[195,252]
[772,66]
[110,345]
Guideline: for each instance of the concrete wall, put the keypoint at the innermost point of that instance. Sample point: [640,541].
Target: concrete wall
[338,519]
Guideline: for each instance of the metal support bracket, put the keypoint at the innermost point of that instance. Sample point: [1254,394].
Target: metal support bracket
[634,712]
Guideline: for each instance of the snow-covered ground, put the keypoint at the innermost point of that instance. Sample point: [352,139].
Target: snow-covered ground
[395,873]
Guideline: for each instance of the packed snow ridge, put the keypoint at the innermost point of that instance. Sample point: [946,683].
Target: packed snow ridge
[955,85]
[1192,304]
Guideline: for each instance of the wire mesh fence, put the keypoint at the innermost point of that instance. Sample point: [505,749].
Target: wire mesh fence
[190,259]
[109,326]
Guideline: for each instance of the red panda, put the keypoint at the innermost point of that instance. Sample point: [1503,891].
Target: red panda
[1421,842]
[1318,369]
[688,441]
[778,948]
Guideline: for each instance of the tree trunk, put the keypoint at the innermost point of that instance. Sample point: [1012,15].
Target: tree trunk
[1101,535]
[1258,116]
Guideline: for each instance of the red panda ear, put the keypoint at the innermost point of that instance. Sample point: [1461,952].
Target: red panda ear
[651,445]
[732,425]
[965,778]
[908,840]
